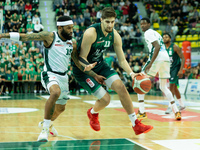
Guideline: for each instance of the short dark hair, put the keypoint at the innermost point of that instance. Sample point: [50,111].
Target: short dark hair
[167,34]
[147,19]
[108,12]
[64,18]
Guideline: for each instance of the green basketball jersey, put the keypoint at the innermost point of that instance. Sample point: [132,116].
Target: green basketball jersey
[101,44]
[174,58]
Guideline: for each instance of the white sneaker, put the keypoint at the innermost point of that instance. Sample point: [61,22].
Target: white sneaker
[181,108]
[168,111]
[52,130]
[43,137]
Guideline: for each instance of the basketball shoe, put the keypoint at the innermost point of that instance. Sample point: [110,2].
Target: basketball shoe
[94,120]
[178,115]
[141,115]
[181,108]
[140,128]
[169,110]
[43,137]
[52,130]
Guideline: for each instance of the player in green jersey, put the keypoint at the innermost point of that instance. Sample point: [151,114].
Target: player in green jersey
[177,61]
[97,39]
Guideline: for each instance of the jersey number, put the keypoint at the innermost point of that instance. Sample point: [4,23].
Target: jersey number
[107,44]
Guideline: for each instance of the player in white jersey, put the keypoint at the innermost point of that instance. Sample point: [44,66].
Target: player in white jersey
[158,62]
[58,50]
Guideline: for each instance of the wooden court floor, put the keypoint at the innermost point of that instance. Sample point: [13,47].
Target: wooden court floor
[20,115]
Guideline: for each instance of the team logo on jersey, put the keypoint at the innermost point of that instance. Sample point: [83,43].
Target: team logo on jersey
[89,82]
[110,37]
[58,41]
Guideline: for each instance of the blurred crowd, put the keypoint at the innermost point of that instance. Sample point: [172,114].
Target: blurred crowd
[21,63]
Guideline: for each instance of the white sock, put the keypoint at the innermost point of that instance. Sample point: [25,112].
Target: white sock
[46,123]
[133,118]
[174,107]
[93,112]
[141,107]
[51,123]
[169,104]
[180,102]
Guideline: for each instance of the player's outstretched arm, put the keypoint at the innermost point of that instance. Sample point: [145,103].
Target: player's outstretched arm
[45,36]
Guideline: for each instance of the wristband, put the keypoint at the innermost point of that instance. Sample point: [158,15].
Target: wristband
[131,73]
[14,36]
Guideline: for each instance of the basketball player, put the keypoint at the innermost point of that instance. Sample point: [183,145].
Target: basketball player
[96,40]
[57,54]
[177,61]
[158,63]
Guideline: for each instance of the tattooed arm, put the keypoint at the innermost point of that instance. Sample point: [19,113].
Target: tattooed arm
[46,37]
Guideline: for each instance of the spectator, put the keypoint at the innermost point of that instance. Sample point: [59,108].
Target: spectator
[174,29]
[66,12]
[7,7]
[8,27]
[22,22]
[154,17]
[30,27]
[136,68]
[89,4]
[60,12]
[73,9]
[2,48]
[93,13]
[28,19]
[13,48]
[128,55]
[8,16]
[121,3]
[74,19]
[28,6]
[197,26]
[97,7]
[168,28]
[38,13]
[32,79]
[125,9]
[35,19]
[98,16]
[38,81]
[38,27]
[21,8]
[14,19]
[8,50]
[138,35]
[133,14]
[86,14]
[27,13]
[57,4]
[8,83]
[1,5]
[82,27]
[81,19]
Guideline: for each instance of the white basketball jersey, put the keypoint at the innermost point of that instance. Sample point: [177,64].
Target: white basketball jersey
[151,36]
[57,57]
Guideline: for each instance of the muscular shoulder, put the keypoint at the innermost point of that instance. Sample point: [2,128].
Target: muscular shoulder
[90,34]
[175,47]
[117,37]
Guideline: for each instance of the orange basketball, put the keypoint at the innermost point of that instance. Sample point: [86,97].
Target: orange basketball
[141,84]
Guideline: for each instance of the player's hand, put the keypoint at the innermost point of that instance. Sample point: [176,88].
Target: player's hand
[100,79]
[180,73]
[136,74]
[147,68]
[89,67]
